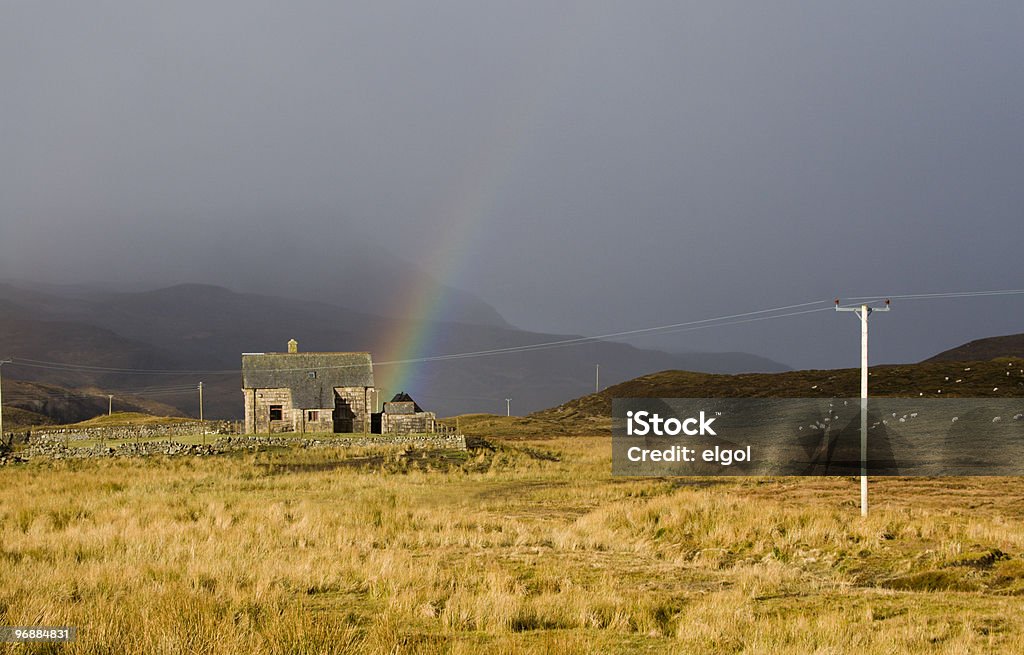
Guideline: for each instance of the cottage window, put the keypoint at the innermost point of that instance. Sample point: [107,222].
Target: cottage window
[276,412]
[311,375]
[313,415]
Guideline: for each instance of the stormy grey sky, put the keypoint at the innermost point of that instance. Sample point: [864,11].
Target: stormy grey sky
[583,167]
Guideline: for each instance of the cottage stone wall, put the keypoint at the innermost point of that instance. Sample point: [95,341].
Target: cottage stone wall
[408,423]
[360,400]
[257,411]
[323,421]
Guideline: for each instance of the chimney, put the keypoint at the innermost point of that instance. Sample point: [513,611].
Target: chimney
[293,346]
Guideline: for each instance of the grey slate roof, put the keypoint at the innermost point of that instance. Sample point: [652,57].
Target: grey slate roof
[402,397]
[292,371]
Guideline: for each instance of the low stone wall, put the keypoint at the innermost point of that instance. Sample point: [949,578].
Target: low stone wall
[55,448]
[451,441]
[127,432]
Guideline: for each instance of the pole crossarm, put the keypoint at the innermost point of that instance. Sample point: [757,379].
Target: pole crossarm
[861,308]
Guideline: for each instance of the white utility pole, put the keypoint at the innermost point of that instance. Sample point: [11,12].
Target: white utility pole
[597,378]
[110,404]
[201,412]
[2,362]
[508,407]
[863,312]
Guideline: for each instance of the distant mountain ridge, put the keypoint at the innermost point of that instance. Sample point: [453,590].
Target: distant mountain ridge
[205,328]
[337,266]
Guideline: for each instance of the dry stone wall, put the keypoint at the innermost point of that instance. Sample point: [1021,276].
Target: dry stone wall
[126,432]
[57,449]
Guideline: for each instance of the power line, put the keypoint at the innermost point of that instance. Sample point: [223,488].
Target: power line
[78,393]
[942,295]
[173,387]
[672,327]
[154,394]
[436,397]
[580,340]
[86,368]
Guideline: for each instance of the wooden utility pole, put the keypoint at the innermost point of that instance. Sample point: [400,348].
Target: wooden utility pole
[110,404]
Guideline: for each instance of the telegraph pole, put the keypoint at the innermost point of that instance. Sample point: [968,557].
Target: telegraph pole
[2,362]
[110,404]
[508,407]
[597,378]
[863,312]
[201,412]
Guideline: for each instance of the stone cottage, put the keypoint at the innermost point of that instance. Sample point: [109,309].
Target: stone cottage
[307,392]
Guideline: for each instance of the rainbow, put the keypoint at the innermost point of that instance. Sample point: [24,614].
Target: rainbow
[425,303]
[468,207]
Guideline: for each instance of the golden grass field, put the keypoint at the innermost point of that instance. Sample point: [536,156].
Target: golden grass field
[530,548]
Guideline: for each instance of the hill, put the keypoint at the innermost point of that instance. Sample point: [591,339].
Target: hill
[28,404]
[16,419]
[999,378]
[129,418]
[1010,345]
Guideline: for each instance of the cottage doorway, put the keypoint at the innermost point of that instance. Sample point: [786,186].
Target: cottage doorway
[344,417]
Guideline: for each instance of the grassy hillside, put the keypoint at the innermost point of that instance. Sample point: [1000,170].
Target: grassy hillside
[510,427]
[128,418]
[996,378]
[18,419]
[1010,345]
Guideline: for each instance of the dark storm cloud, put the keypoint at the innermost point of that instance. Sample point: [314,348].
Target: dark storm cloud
[633,164]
